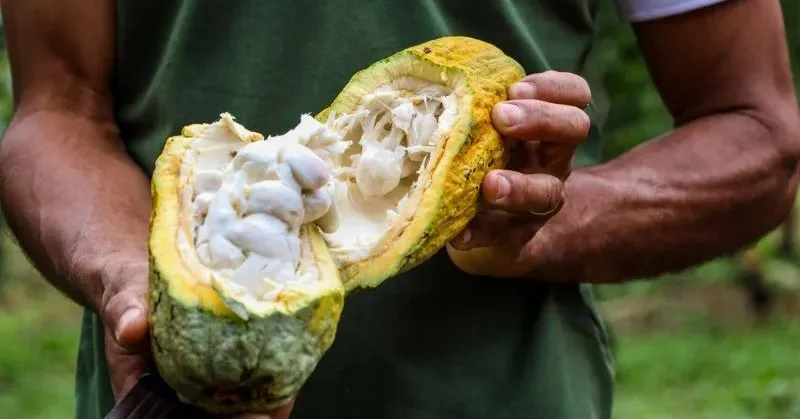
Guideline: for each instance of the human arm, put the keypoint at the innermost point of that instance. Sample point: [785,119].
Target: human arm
[77,203]
[723,177]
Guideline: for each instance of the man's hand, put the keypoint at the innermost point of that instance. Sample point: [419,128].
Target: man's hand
[544,116]
[124,313]
[723,177]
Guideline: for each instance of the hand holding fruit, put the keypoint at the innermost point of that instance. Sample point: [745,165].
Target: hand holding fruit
[544,117]
[124,314]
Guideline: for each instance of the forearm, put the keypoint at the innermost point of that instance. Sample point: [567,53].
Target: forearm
[73,199]
[705,189]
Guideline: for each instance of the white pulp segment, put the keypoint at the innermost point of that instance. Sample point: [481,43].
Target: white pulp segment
[249,200]
[394,130]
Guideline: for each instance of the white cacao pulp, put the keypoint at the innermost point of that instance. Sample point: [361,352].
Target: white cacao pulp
[249,200]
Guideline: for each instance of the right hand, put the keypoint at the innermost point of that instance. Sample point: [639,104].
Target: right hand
[124,315]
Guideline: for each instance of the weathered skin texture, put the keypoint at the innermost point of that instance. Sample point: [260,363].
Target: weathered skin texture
[227,365]
[473,146]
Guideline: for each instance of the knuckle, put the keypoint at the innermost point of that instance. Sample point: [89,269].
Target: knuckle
[583,93]
[586,89]
[566,79]
[577,81]
[541,117]
[553,194]
[561,87]
[520,189]
[575,89]
[542,75]
[552,74]
[530,194]
[581,124]
[558,84]
[541,193]
[544,79]
[544,194]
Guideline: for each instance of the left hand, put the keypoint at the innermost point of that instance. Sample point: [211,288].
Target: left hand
[544,116]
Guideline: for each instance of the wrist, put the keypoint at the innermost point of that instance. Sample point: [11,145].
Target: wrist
[101,275]
[569,247]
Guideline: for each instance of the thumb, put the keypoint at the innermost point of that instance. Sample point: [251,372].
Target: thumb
[125,316]
[127,351]
[132,326]
[123,310]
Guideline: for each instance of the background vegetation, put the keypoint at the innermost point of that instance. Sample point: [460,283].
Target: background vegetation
[688,345]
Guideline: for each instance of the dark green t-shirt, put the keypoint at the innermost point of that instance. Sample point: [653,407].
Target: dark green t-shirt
[434,343]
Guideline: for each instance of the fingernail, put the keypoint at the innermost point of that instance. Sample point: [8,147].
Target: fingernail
[509,114]
[522,91]
[125,320]
[502,187]
[465,236]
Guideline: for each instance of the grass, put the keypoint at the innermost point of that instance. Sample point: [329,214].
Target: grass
[37,362]
[710,374]
[687,351]
[39,335]
[687,346]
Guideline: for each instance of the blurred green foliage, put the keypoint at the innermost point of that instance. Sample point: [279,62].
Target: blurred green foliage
[630,110]
[703,374]
[37,361]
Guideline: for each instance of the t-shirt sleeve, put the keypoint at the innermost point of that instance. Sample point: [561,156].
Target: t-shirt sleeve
[643,10]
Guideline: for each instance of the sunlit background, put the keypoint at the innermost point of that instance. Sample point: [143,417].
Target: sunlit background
[721,340]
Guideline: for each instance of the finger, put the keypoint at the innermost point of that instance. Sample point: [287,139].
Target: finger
[542,157]
[556,158]
[513,191]
[127,319]
[125,366]
[493,227]
[553,86]
[124,310]
[532,119]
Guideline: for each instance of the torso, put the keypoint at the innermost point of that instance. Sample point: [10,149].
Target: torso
[435,342]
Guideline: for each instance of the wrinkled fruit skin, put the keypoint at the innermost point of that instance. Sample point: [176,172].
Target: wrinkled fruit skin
[228,363]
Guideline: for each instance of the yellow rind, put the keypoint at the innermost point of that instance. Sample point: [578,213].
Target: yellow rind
[481,74]
[209,354]
[165,222]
